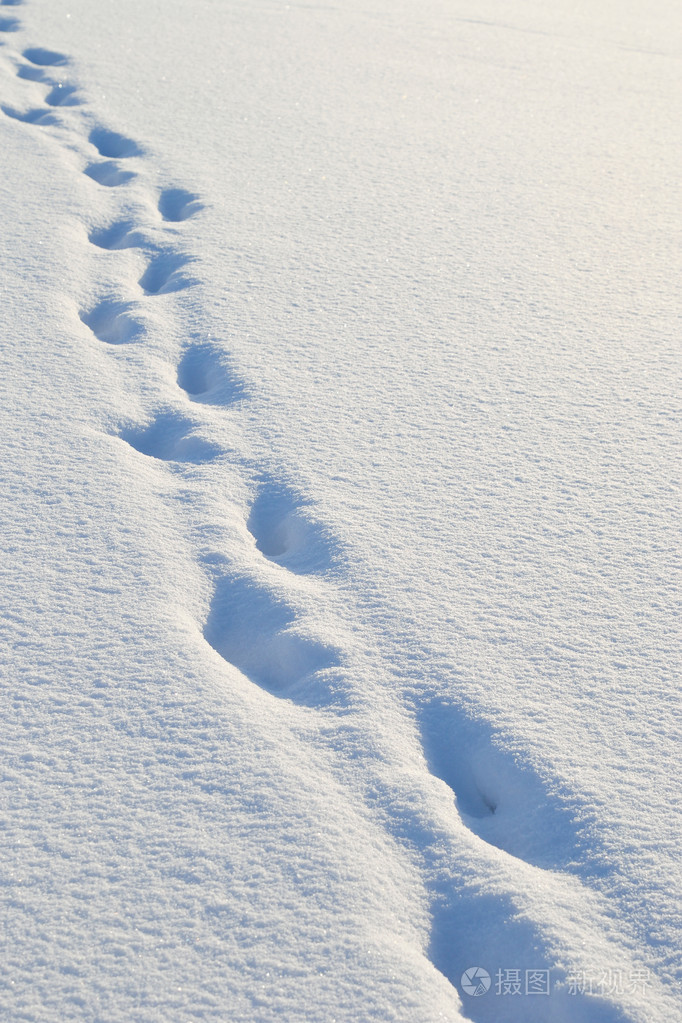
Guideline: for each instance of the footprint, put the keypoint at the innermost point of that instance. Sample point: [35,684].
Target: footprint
[176,204]
[497,797]
[37,116]
[62,96]
[471,926]
[45,58]
[121,235]
[10,3]
[163,274]
[9,25]
[285,531]
[254,630]
[112,145]
[205,376]
[31,73]
[108,173]
[110,322]
[169,437]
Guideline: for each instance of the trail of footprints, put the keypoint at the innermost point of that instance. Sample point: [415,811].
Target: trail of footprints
[59,93]
[282,531]
[490,789]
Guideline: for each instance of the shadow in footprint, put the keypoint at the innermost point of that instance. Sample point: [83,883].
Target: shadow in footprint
[285,530]
[498,797]
[34,74]
[169,437]
[163,274]
[9,25]
[45,58]
[112,145]
[62,96]
[176,204]
[108,173]
[111,322]
[254,630]
[206,377]
[37,116]
[11,3]
[473,928]
[121,235]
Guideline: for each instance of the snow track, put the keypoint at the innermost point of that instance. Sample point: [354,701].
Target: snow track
[240,609]
[468,853]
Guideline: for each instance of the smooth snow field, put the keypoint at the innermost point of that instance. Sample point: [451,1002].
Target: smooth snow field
[340,471]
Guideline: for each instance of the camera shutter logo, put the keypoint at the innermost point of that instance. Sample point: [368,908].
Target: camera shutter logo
[475,981]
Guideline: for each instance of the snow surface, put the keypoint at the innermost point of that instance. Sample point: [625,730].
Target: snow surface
[340,436]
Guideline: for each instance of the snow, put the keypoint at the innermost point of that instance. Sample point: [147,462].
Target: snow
[340,408]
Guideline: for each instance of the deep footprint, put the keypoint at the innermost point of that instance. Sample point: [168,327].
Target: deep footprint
[9,25]
[169,437]
[110,322]
[253,629]
[121,235]
[163,274]
[112,145]
[37,116]
[30,73]
[206,377]
[176,204]
[62,96]
[109,174]
[285,531]
[45,58]
[498,797]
